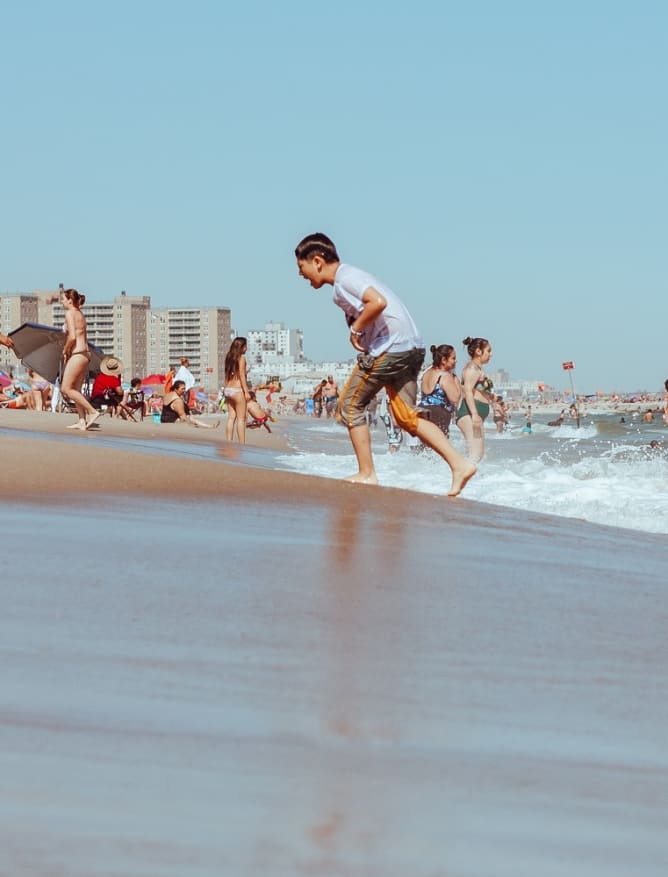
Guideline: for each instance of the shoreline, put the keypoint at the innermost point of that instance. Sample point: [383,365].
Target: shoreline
[73,467]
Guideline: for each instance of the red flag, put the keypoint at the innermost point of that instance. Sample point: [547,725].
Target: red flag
[567,366]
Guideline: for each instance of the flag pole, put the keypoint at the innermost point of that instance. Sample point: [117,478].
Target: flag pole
[570,367]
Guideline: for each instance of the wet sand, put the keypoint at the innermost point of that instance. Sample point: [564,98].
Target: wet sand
[210,669]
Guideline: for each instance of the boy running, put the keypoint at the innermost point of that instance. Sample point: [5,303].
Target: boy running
[390,355]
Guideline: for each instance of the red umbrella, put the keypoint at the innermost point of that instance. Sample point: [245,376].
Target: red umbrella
[5,380]
[153,380]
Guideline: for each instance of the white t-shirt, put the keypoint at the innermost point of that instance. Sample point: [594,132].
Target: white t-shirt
[394,330]
[184,374]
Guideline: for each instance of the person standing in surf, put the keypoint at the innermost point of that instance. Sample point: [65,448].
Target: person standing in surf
[236,390]
[477,396]
[76,357]
[390,355]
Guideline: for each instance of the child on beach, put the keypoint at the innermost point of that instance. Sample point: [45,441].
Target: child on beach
[257,412]
[390,355]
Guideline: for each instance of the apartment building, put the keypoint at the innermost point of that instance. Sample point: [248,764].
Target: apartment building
[273,344]
[14,310]
[200,334]
[145,340]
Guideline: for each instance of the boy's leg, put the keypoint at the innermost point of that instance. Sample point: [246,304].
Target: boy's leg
[403,396]
[359,390]
[360,436]
[462,469]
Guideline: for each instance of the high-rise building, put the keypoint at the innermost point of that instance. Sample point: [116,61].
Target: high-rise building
[200,334]
[274,343]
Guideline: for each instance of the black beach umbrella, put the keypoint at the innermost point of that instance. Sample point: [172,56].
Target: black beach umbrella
[41,349]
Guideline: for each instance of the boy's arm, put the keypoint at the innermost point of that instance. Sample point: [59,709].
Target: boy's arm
[373,305]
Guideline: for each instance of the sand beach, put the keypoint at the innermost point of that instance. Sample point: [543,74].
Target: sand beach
[214,667]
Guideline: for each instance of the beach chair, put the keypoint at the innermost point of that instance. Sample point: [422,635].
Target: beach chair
[135,405]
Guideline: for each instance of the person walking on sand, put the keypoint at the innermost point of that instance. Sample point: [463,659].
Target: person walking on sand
[476,396]
[390,355]
[76,357]
[236,390]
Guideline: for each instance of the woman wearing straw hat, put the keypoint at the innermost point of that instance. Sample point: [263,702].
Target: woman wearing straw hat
[107,388]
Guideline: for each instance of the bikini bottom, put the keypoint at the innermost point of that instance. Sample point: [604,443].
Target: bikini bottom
[463,410]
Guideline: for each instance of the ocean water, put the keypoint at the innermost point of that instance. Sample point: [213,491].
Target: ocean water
[604,472]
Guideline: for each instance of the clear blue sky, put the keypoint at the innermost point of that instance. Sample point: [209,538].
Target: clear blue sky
[502,166]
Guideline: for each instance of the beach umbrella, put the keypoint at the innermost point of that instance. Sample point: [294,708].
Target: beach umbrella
[41,349]
[154,380]
[5,380]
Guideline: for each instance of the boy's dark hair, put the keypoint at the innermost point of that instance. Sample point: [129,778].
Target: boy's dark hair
[317,244]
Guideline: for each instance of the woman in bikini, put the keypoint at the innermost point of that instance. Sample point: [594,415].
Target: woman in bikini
[477,396]
[40,389]
[76,356]
[441,390]
[236,390]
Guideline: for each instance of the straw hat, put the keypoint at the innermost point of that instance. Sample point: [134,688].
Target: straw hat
[111,365]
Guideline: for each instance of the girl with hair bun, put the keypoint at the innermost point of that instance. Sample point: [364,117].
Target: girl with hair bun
[440,387]
[477,396]
[76,356]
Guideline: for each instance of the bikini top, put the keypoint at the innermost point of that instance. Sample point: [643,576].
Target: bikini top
[484,384]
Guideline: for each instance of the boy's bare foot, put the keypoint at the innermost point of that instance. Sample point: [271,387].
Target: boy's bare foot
[358,478]
[93,419]
[460,477]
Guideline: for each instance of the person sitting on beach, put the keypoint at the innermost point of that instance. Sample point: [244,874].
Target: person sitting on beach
[107,389]
[441,390]
[257,412]
[175,409]
[134,399]
[21,399]
[236,390]
[390,355]
[477,397]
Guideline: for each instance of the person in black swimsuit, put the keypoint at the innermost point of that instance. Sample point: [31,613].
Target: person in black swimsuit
[175,409]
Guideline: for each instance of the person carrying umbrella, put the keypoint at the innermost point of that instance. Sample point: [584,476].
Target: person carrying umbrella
[76,356]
